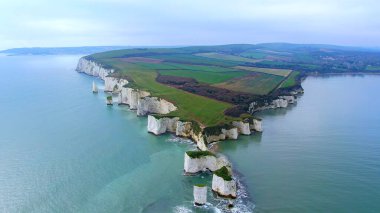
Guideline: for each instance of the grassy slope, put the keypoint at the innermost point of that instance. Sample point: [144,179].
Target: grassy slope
[216,69]
[279,72]
[207,111]
[291,80]
[204,77]
[227,57]
[260,84]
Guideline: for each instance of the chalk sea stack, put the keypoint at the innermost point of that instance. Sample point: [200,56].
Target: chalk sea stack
[109,100]
[200,194]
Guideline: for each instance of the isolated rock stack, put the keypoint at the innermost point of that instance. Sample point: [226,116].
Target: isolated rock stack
[200,195]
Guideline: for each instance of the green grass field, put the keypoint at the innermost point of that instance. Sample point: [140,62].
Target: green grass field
[260,84]
[208,65]
[207,111]
[227,57]
[290,81]
[373,68]
[204,77]
[279,72]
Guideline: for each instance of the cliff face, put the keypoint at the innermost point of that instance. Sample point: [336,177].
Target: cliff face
[279,102]
[200,195]
[159,126]
[201,164]
[256,125]
[242,127]
[114,85]
[225,188]
[145,104]
[92,68]
[155,105]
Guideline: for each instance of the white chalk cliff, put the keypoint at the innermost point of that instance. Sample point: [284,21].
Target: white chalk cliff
[92,68]
[279,102]
[145,104]
[256,125]
[200,195]
[225,188]
[114,85]
[155,105]
[242,127]
[200,164]
[159,126]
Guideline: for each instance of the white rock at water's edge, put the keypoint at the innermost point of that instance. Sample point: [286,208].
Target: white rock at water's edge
[92,68]
[204,163]
[223,187]
[243,127]
[159,126]
[155,105]
[231,133]
[114,85]
[145,104]
[289,98]
[200,195]
[280,102]
[256,125]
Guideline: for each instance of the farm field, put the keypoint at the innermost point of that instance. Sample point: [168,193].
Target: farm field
[258,84]
[205,81]
[280,72]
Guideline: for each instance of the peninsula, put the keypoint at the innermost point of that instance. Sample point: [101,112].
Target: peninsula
[211,93]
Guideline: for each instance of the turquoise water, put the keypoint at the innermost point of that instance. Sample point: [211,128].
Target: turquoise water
[63,150]
[322,155]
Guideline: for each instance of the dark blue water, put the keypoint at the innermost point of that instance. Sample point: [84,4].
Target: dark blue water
[63,150]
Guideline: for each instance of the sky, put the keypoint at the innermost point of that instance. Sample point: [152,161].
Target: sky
[49,23]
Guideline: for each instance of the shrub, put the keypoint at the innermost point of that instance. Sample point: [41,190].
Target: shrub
[223,173]
[199,154]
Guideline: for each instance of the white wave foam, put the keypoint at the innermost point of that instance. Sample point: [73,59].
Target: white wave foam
[182,209]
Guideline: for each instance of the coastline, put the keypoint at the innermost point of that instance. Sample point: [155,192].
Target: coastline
[158,123]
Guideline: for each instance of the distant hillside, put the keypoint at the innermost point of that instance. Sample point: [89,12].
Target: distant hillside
[61,50]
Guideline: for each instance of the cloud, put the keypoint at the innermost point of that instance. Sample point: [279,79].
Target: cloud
[65,26]
[186,22]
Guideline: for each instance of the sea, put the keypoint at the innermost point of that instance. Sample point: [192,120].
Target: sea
[62,149]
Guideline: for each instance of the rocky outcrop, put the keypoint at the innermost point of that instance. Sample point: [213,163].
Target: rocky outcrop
[224,187]
[193,131]
[131,96]
[145,104]
[92,68]
[195,163]
[256,125]
[200,194]
[114,85]
[154,105]
[161,125]
[109,100]
[279,102]
[218,133]
[289,98]
[242,127]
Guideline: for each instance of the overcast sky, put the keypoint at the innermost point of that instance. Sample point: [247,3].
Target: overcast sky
[30,23]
